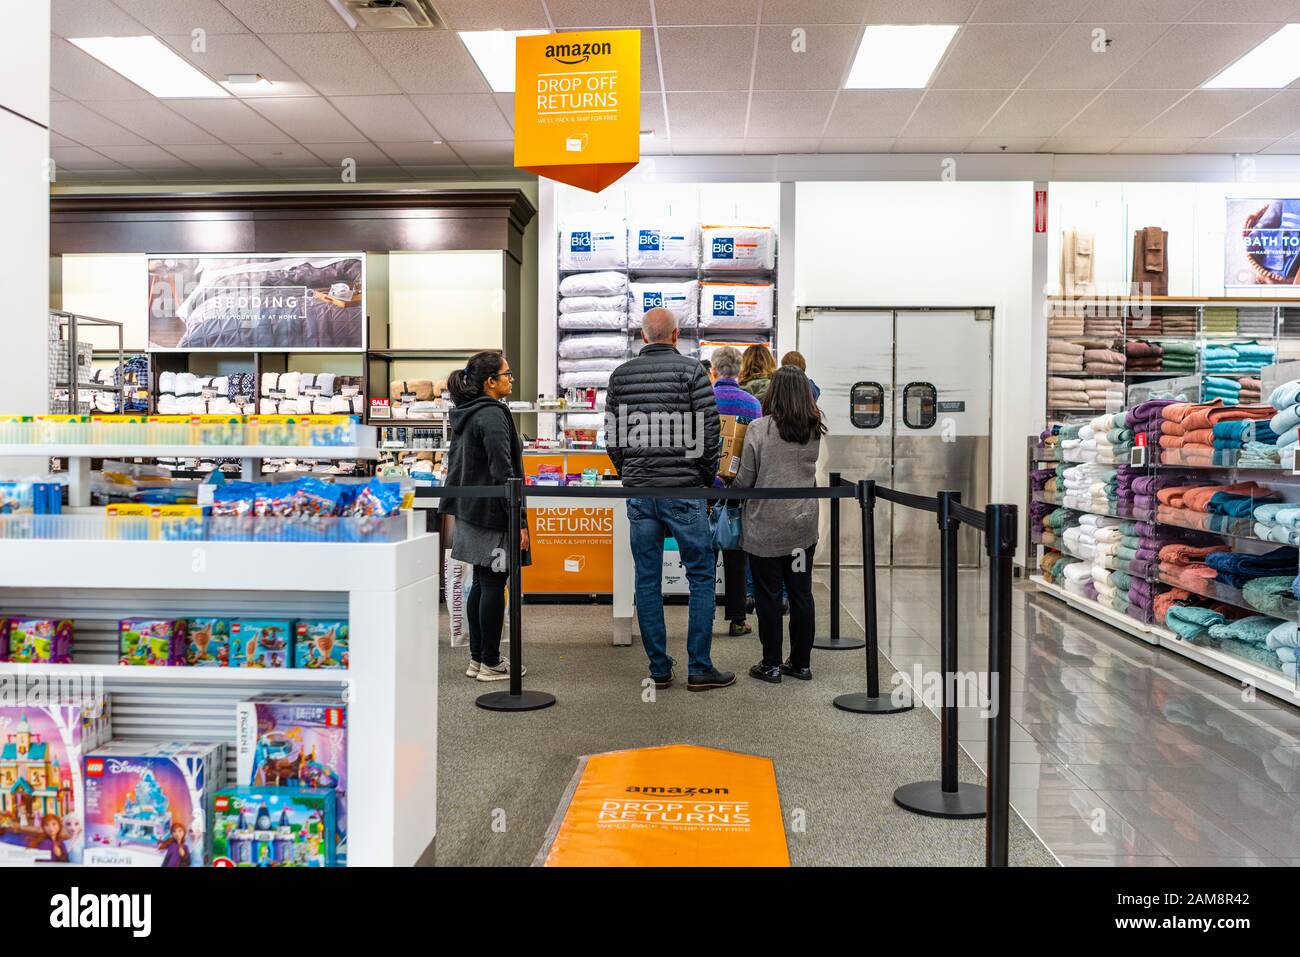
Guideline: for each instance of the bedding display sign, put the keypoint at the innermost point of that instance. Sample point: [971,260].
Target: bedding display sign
[1262,242]
[578,106]
[303,302]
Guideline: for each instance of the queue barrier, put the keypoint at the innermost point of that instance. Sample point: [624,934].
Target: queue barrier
[997,523]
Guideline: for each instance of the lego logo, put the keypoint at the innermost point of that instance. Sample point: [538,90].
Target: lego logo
[333,717]
[222,803]
[94,768]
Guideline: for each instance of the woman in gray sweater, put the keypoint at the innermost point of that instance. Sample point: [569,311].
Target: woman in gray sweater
[780,535]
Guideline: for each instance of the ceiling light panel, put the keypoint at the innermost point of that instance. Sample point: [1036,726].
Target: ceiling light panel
[899,57]
[151,65]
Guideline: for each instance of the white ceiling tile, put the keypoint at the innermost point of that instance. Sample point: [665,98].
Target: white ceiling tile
[57,139]
[776,146]
[420,154]
[280,154]
[1168,144]
[1277,117]
[706,115]
[231,121]
[872,113]
[81,124]
[506,104]
[144,157]
[1189,54]
[298,16]
[183,16]
[920,11]
[1289,146]
[822,65]
[652,112]
[307,119]
[653,146]
[55,96]
[1072,63]
[567,14]
[219,157]
[1005,144]
[473,116]
[1081,144]
[1119,114]
[930,144]
[692,146]
[788,114]
[798,13]
[1246,11]
[1026,11]
[336,64]
[952,114]
[860,144]
[1037,112]
[480,152]
[669,12]
[1229,144]
[1137,11]
[92,18]
[1202,113]
[649,60]
[363,154]
[80,76]
[153,121]
[489,15]
[424,62]
[385,117]
[994,57]
[700,58]
[79,158]
[242,53]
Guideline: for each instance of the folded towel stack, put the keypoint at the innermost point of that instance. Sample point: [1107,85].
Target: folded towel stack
[1256,321]
[1219,320]
[1103,361]
[1217,387]
[1178,323]
[1142,323]
[1063,321]
[1178,356]
[1250,390]
[1064,355]
[1237,568]
[1110,327]
[1142,356]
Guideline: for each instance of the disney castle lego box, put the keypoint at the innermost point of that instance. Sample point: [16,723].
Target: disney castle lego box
[273,827]
[147,805]
[296,741]
[42,793]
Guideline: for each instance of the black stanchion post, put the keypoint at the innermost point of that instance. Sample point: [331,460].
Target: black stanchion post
[947,797]
[870,702]
[516,699]
[835,642]
[1000,542]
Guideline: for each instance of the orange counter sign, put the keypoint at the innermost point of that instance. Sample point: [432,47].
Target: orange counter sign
[578,106]
[673,806]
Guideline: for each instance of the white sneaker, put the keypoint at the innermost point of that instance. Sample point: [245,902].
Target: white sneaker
[497,672]
[473,669]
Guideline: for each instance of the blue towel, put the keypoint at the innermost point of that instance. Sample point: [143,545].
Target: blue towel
[1285,395]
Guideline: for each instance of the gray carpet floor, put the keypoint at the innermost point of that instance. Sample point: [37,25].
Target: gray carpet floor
[501,776]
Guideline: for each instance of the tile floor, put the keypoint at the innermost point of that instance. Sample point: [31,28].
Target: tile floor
[1122,754]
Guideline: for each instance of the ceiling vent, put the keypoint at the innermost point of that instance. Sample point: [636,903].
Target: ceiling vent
[389,14]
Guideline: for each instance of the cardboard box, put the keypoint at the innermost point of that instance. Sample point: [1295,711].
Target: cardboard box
[733,442]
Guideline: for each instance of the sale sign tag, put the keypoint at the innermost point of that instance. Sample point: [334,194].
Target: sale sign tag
[578,106]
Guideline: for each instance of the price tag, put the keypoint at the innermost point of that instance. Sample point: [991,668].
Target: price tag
[276,394]
[348,391]
[313,391]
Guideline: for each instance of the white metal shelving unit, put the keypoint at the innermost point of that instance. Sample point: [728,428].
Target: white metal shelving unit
[389,593]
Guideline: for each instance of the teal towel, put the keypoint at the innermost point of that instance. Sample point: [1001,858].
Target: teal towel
[1271,595]
[1190,621]
[1253,629]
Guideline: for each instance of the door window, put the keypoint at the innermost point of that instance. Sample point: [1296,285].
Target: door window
[867,405]
[919,405]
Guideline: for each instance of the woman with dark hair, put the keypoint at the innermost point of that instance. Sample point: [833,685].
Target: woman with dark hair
[485,450]
[756,368]
[780,535]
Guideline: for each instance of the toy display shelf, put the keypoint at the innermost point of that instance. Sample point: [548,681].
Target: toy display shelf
[388,593]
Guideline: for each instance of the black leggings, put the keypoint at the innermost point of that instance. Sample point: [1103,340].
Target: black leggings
[770,574]
[486,610]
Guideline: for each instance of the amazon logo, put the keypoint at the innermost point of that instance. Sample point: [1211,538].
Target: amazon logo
[572,54]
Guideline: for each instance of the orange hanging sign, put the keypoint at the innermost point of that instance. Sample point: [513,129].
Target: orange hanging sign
[578,106]
[673,806]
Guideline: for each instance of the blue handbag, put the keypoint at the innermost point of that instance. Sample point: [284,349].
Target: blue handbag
[724,525]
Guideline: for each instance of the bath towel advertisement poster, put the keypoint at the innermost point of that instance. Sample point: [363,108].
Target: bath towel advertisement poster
[1262,242]
[298,301]
[578,106]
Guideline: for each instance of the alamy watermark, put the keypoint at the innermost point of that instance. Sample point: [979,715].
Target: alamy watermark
[634,429]
[966,689]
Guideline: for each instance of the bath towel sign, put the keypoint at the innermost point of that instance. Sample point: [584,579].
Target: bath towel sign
[673,806]
[578,106]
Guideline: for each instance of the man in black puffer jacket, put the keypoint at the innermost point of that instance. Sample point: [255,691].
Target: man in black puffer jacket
[662,430]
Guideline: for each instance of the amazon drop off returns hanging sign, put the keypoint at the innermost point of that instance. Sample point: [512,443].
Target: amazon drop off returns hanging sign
[578,106]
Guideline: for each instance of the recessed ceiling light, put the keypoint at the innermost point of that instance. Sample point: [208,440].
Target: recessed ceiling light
[147,63]
[1273,64]
[898,57]
[494,52]
[247,79]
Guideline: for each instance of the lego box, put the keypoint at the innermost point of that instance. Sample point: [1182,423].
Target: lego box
[273,827]
[208,643]
[320,644]
[146,806]
[295,741]
[42,794]
[260,643]
[152,641]
[44,640]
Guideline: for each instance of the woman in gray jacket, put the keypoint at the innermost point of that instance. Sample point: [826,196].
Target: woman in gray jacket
[780,535]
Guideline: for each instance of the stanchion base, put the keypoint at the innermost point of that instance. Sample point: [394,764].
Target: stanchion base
[859,703]
[929,798]
[505,701]
[839,644]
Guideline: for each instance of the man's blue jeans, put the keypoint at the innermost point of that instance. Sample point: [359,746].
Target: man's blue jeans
[651,520]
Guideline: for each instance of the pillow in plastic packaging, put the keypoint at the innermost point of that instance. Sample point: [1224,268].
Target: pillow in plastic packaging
[571,304]
[682,299]
[593,245]
[594,284]
[590,365]
[593,347]
[593,321]
[686,346]
[656,244]
[735,305]
[737,248]
[596,379]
